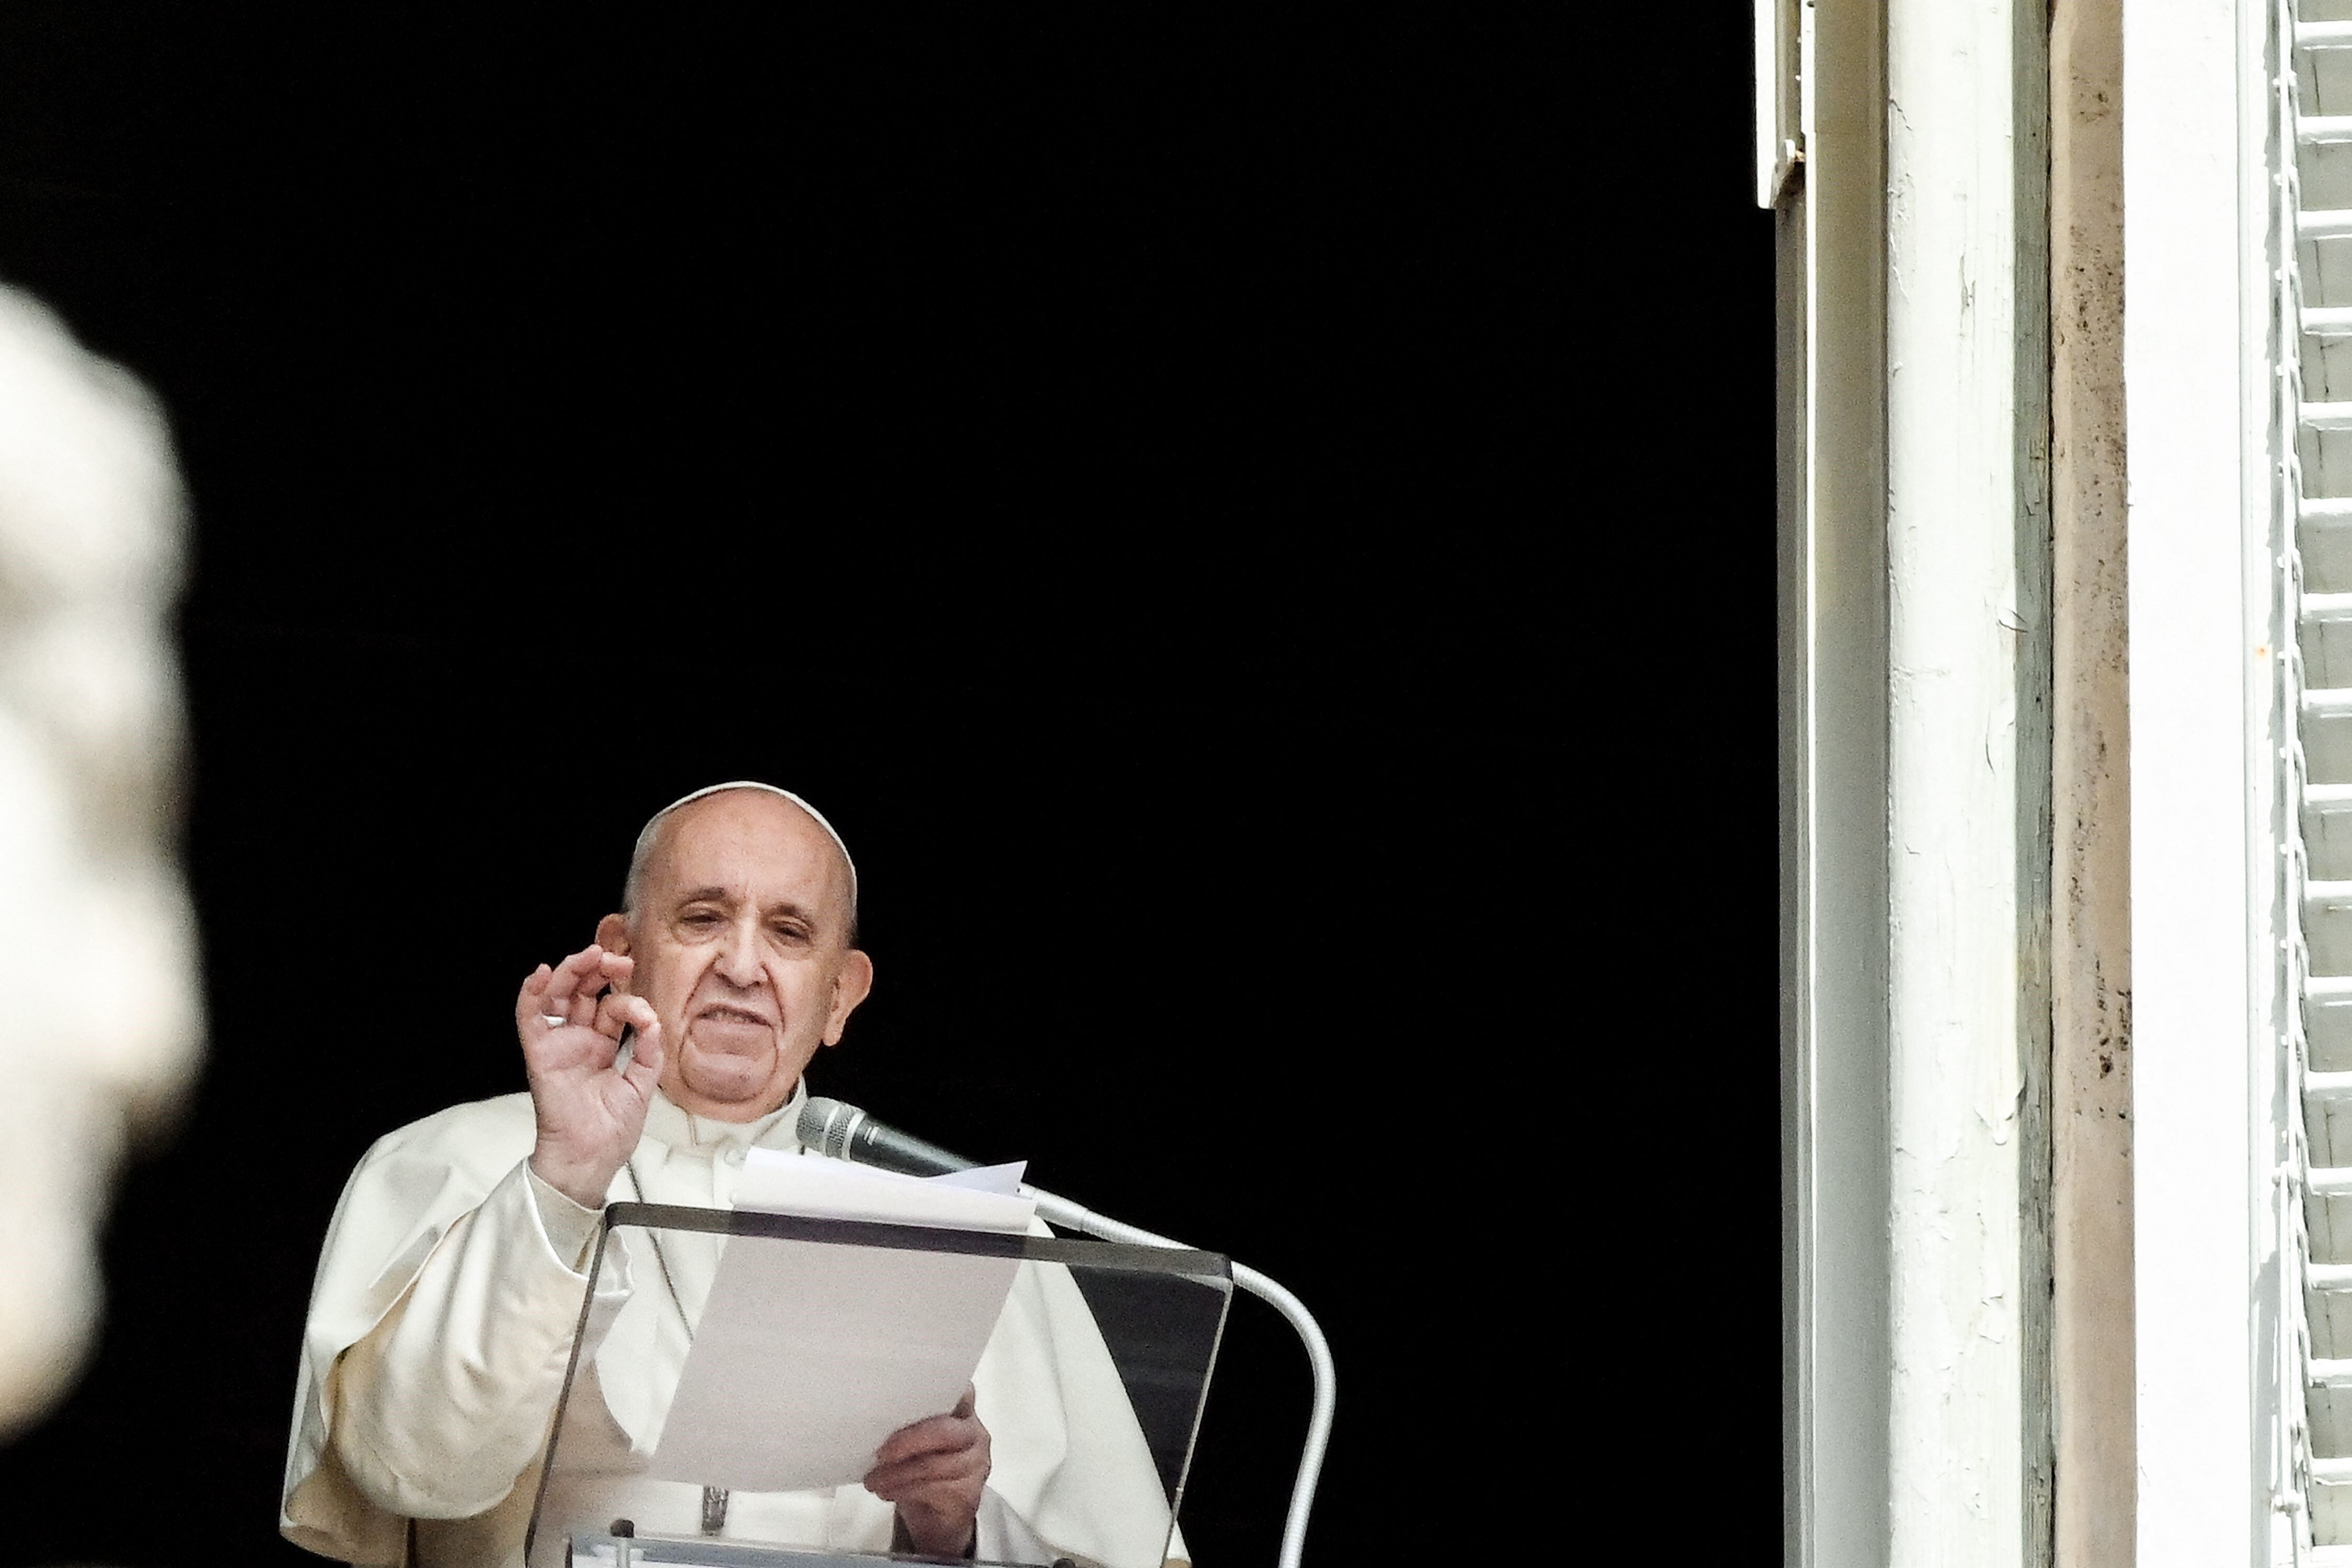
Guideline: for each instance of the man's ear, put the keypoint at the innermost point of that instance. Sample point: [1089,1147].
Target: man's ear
[849,988]
[612,936]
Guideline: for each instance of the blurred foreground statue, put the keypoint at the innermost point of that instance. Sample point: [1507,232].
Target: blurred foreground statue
[97,942]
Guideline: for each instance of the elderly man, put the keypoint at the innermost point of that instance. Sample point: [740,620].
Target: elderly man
[454,1271]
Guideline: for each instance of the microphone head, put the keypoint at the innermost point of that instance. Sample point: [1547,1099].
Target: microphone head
[844,1132]
[826,1126]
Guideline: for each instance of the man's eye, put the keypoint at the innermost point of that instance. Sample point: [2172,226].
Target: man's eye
[699,918]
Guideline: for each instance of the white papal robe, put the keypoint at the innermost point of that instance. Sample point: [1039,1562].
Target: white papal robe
[441,1322]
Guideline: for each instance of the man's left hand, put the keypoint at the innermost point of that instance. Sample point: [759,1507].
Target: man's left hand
[934,1470]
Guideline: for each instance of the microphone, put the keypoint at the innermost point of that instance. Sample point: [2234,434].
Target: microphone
[846,1132]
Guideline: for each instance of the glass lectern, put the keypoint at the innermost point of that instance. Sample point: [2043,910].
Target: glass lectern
[733,1373]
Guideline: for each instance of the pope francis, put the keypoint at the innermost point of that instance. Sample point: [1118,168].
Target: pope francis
[453,1272]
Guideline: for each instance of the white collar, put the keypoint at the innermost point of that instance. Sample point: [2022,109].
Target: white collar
[684,1132]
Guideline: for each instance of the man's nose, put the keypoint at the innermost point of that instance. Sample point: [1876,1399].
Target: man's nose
[739,960]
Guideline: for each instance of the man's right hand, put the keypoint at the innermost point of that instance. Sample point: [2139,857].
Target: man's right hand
[590,1113]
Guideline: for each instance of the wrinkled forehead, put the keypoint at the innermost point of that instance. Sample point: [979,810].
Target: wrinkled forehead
[758,844]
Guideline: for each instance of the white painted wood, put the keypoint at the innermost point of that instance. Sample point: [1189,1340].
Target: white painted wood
[1959,799]
[2200,1500]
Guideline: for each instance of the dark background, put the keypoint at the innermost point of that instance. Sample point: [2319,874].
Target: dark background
[1214,509]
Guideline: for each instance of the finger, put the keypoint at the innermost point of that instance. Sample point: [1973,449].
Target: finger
[582,1011]
[590,985]
[616,1013]
[941,1492]
[645,1067]
[921,1437]
[933,1434]
[530,1005]
[964,1406]
[563,984]
[933,1473]
[923,1470]
[535,1015]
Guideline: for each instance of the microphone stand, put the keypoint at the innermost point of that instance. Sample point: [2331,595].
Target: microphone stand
[846,1132]
[1069,1216]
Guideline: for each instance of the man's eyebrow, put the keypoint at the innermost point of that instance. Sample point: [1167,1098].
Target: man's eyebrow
[726,895]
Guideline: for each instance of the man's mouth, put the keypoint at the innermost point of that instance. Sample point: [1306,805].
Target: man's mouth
[732,1030]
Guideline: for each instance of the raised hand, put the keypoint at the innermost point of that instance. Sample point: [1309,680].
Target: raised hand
[933,1470]
[590,1110]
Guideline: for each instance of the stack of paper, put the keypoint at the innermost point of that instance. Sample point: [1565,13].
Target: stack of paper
[986,1198]
[808,1354]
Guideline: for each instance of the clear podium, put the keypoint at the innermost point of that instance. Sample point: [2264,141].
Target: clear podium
[719,1411]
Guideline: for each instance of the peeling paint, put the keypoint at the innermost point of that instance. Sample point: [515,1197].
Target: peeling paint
[1959,612]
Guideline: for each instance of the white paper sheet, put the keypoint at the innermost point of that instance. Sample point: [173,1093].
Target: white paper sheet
[1004,1179]
[809,1354]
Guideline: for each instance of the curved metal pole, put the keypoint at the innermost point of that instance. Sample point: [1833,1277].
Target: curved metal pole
[1060,1211]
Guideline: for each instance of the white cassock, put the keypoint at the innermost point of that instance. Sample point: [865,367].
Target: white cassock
[441,1322]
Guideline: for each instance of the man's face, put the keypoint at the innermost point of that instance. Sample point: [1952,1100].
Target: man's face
[741,938]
